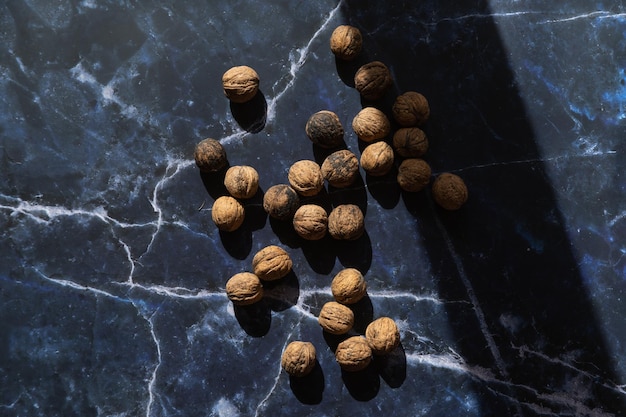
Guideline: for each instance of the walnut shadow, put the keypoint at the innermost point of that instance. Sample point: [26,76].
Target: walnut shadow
[238,243]
[362,385]
[363,311]
[392,367]
[283,293]
[251,115]
[214,182]
[385,189]
[254,319]
[309,389]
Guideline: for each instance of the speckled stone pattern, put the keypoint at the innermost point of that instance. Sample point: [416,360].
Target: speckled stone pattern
[112,273]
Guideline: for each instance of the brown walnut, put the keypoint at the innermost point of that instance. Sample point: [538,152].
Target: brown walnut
[353,354]
[306,178]
[271,263]
[377,159]
[298,358]
[325,129]
[244,288]
[410,142]
[210,155]
[449,191]
[336,318]
[410,109]
[341,168]
[281,201]
[240,84]
[227,213]
[310,222]
[413,175]
[348,286]
[382,335]
[242,181]
[371,124]
[346,42]
[372,80]
[346,222]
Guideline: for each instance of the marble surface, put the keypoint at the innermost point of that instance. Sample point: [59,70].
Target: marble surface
[112,273]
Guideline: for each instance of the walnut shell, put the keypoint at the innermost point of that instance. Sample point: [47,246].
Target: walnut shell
[410,142]
[372,80]
[310,222]
[411,109]
[244,288]
[371,124]
[306,178]
[348,286]
[281,201]
[346,222]
[341,168]
[377,159]
[242,181]
[449,191]
[240,84]
[353,354]
[271,263]
[336,318]
[413,175]
[298,358]
[325,129]
[346,42]
[382,335]
[227,213]
[210,155]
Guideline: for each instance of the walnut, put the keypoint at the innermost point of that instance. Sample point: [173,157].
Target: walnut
[372,80]
[227,213]
[324,129]
[346,42]
[377,159]
[244,288]
[410,142]
[298,358]
[271,263]
[348,286]
[371,124]
[336,318]
[242,181]
[411,109]
[341,168]
[310,222]
[210,155]
[240,84]
[306,178]
[413,175]
[353,354]
[346,222]
[449,191]
[382,335]
[281,201]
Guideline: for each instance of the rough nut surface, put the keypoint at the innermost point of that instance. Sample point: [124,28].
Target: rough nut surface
[410,142]
[413,175]
[240,84]
[346,222]
[227,213]
[372,80]
[353,354]
[242,181]
[244,288]
[306,178]
[411,109]
[324,129]
[271,263]
[281,201]
[382,335]
[298,358]
[449,191]
[377,159]
[336,318]
[310,222]
[346,42]
[371,124]
[348,286]
[340,168]
[210,155]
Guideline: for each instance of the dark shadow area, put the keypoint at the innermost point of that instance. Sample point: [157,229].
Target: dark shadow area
[309,389]
[256,216]
[363,314]
[214,182]
[254,319]
[252,115]
[506,255]
[237,243]
[320,254]
[385,189]
[282,293]
[319,153]
[346,70]
[362,385]
[392,367]
[355,253]
[353,194]
[284,231]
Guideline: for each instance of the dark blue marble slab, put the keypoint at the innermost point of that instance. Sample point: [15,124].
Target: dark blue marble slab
[112,273]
